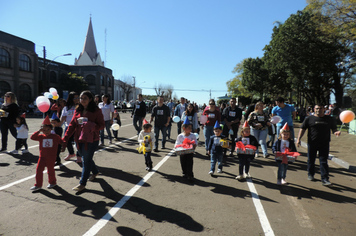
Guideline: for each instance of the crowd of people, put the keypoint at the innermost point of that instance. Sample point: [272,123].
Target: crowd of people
[85,117]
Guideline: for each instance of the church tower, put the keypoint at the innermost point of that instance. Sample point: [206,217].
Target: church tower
[89,55]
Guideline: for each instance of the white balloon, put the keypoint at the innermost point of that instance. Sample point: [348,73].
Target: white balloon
[176,119]
[115,127]
[196,135]
[53,90]
[276,119]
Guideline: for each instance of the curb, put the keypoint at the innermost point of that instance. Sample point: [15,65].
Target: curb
[336,160]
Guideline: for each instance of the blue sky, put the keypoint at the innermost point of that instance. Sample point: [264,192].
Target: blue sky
[191,45]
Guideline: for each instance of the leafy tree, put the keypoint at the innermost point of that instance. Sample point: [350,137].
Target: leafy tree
[72,82]
[234,86]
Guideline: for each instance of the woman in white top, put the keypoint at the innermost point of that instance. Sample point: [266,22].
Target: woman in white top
[107,108]
[67,115]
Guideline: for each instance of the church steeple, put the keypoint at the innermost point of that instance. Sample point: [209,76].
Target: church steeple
[89,55]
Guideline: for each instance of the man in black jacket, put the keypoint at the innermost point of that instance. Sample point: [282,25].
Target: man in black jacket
[138,113]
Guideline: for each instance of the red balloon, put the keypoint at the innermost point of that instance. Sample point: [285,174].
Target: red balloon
[43,106]
[347,116]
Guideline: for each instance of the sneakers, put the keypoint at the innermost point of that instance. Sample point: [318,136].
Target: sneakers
[266,156]
[310,177]
[25,151]
[239,177]
[284,182]
[155,150]
[69,157]
[279,182]
[325,182]
[93,177]
[51,186]
[35,188]
[248,176]
[101,145]
[79,159]
[14,152]
[110,142]
[256,155]
[3,150]
[211,172]
[219,170]
[79,188]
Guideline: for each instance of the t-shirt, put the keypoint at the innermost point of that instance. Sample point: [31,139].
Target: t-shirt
[215,144]
[213,116]
[68,113]
[284,145]
[181,137]
[285,113]
[319,128]
[139,109]
[106,110]
[232,114]
[48,144]
[160,115]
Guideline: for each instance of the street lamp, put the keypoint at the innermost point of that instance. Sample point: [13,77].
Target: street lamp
[45,81]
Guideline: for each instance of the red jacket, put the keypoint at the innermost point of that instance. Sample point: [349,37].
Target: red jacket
[77,129]
[48,144]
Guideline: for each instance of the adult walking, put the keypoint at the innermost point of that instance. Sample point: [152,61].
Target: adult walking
[213,115]
[259,122]
[8,119]
[232,116]
[192,117]
[318,126]
[287,113]
[87,121]
[180,108]
[66,118]
[161,116]
[138,113]
[107,108]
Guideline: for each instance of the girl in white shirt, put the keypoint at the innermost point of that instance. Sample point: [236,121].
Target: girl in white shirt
[107,108]
[22,134]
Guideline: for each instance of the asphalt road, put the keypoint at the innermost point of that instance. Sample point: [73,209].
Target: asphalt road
[125,199]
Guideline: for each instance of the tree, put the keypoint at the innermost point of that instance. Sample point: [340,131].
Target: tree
[126,85]
[335,16]
[72,82]
[165,90]
[235,87]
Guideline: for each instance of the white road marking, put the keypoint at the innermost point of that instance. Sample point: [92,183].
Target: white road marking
[103,221]
[267,229]
[45,171]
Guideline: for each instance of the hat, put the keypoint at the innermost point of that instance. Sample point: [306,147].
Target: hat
[23,115]
[217,125]
[54,117]
[286,127]
[46,121]
[246,125]
[186,122]
[145,121]
[115,111]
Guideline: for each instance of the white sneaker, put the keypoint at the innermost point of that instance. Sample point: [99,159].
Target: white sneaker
[35,188]
[219,170]
[51,186]
[256,155]
[25,151]
[279,182]
[284,182]
[14,152]
[248,175]
[239,177]
[211,172]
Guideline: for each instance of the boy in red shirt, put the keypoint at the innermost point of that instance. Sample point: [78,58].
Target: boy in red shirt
[48,149]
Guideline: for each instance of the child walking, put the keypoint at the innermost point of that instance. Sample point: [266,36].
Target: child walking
[284,141]
[145,139]
[57,129]
[48,148]
[244,159]
[215,149]
[22,134]
[186,160]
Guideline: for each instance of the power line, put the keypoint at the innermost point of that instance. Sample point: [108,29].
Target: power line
[190,90]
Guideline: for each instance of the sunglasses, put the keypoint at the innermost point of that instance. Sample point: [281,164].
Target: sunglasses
[7,96]
[211,103]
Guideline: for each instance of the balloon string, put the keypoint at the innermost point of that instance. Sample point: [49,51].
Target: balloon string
[341,126]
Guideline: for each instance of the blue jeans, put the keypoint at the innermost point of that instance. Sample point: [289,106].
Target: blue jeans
[163,130]
[107,127]
[208,132]
[169,128]
[139,126]
[179,127]
[261,136]
[323,159]
[291,130]
[216,157]
[282,170]
[86,151]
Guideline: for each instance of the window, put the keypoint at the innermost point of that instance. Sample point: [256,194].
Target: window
[90,79]
[102,81]
[4,88]
[109,82]
[4,58]
[25,92]
[25,63]
[53,77]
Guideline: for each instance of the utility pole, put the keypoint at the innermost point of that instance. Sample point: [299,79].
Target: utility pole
[134,84]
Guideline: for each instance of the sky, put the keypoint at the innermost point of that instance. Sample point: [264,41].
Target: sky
[192,45]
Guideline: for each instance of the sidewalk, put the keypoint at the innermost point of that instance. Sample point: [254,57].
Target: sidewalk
[342,149]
